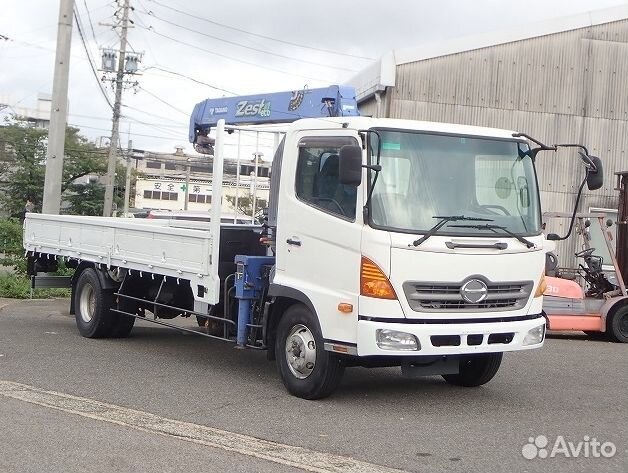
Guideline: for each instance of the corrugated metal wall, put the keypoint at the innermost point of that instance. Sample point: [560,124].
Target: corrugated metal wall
[566,87]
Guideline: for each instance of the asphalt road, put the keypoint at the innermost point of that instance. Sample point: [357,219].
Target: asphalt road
[573,387]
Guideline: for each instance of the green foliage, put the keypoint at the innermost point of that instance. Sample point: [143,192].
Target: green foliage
[12,252]
[89,199]
[18,287]
[14,283]
[22,164]
[86,199]
[245,205]
[23,153]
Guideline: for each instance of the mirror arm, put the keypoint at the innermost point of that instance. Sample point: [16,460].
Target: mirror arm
[573,145]
[573,216]
[542,146]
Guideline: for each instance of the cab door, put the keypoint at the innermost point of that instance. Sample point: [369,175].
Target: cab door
[319,232]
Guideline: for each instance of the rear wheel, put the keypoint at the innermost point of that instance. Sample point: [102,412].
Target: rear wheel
[618,325]
[306,369]
[92,306]
[123,324]
[475,370]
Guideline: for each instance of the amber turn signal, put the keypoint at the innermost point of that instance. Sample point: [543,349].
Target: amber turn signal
[345,308]
[542,286]
[373,281]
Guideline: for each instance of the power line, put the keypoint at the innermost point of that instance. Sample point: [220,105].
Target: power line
[148,48]
[89,58]
[198,17]
[75,125]
[304,61]
[89,18]
[164,125]
[159,68]
[156,116]
[214,53]
[164,102]
[172,133]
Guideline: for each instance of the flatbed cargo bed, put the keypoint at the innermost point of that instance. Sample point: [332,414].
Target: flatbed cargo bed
[176,249]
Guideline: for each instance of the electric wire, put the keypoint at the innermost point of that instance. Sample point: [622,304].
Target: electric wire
[90,60]
[172,133]
[230,58]
[179,74]
[164,102]
[89,19]
[164,125]
[76,125]
[216,38]
[198,17]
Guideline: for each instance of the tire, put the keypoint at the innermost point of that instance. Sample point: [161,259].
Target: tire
[596,335]
[306,369]
[92,306]
[475,370]
[123,324]
[617,325]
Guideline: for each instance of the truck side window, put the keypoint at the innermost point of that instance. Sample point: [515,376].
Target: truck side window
[317,180]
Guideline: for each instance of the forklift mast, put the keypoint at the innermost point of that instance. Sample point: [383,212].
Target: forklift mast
[622,223]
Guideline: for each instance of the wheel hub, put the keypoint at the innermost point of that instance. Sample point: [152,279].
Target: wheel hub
[87,304]
[301,351]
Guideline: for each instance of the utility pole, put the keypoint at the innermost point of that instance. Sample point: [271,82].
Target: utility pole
[127,183]
[187,184]
[113,150]
[58,112]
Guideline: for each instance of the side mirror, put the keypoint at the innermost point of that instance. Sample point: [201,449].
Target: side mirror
[350,167]
[595,177]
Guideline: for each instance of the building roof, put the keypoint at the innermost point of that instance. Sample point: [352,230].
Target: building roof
[381,73]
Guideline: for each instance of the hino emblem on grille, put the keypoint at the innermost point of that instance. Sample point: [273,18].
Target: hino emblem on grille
[474,291]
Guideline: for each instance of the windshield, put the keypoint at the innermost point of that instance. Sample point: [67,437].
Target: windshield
[428,175]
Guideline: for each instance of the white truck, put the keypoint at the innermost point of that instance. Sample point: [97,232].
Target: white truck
[388,243]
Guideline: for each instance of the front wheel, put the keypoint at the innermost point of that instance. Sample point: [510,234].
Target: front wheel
[306,369]
[618,325]
[475,370]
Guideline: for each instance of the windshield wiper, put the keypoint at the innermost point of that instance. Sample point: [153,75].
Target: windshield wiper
[487,226]
[443,221]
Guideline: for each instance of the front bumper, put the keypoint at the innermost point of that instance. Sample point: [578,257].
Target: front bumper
[451,338]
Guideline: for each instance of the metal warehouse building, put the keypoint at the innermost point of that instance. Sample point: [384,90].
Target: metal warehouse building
[562,81]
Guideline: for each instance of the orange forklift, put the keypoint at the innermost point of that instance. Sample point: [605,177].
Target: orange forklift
[590,298]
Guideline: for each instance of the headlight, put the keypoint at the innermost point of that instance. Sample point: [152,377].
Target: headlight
[535,335]
[395,340]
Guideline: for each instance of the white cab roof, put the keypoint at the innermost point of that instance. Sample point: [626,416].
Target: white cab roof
[364,123]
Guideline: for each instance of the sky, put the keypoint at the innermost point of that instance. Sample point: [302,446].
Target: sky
[194,49]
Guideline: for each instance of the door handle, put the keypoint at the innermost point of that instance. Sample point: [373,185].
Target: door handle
[293,241]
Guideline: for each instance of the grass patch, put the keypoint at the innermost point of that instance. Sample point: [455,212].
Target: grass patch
[15,286]
[14,282]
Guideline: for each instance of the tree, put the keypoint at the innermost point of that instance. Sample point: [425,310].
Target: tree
[23,158]
[245,205]
[89,199]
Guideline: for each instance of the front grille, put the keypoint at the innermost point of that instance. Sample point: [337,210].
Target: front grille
[447,297]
